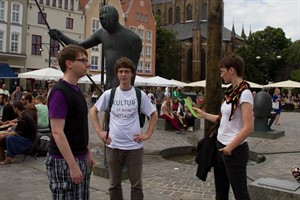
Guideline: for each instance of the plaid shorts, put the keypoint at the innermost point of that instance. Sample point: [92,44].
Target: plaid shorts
[61,184]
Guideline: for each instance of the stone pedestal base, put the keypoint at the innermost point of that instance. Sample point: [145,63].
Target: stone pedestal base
[268,134]
[274,189]
[102,171]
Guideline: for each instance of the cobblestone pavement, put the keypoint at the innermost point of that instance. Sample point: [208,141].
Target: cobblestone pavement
[162,179]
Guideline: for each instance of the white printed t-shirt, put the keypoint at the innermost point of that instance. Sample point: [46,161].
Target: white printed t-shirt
[124,119]
[229,129]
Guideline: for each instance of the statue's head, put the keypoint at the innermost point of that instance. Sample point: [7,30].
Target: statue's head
[109,17]
[262,105]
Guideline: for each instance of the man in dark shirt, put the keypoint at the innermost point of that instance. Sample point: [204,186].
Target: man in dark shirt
[68,115]
[20,139]
[8,111]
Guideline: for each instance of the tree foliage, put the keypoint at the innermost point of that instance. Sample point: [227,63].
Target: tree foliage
[263,55]
[167,52]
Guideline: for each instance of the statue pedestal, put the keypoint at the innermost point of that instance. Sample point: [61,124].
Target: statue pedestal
[268,134]
[102,171]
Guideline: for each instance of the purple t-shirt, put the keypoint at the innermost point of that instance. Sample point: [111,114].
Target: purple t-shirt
[58,106]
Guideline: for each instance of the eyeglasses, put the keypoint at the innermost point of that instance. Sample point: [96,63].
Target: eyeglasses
[83,60]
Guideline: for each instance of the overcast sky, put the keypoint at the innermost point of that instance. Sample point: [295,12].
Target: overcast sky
[258,14]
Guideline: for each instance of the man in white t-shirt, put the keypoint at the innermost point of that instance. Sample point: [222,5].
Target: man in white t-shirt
[124,140]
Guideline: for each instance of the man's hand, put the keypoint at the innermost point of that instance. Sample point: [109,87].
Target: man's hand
[55,34]
[76,174]
[103,135]
[141,137]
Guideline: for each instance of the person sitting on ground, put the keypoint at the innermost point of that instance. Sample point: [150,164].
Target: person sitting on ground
[166,113]
[178,111]
[42,112]
[21,138]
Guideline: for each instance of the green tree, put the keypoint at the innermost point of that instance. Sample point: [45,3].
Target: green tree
[167,52]
[292,57]
[263,54]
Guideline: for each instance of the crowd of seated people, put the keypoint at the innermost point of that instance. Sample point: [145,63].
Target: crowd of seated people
[18,114]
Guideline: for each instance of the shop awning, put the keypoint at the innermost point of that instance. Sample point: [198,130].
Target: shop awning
[6,71]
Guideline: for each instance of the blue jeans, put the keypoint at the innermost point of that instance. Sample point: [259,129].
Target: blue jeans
[16,144]
[133,160]
[231,170]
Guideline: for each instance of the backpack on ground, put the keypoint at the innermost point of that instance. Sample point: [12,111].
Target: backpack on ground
[138,93]
[41,145]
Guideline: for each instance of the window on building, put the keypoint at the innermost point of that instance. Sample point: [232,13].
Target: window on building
[177,14]
[2,10]
[148,36]
[15,17]
[148,51]
[54,47]
[14,42]
[147,67]
[60,3]
[141,34]
[41,19]
[66,4]
[170,15]
[36,44]
[189,12]
[94,63]
[204,12]
[95,27]
[1,40]
[69,23]
[140,67]
[142,52]
[53,3]
[48,2]
[133,29]
[146,18]
[158,12]
[71,4]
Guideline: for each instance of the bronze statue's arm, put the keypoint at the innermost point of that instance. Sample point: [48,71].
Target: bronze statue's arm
[93,40]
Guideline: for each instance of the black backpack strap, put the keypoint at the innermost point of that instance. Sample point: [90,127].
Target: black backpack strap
[111,99]
[107,112]
[139,98]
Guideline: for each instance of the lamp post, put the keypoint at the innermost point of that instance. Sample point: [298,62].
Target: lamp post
[49,51]
[269,64]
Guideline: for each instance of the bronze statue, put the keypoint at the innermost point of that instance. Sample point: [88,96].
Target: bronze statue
[262,108]
[117,41]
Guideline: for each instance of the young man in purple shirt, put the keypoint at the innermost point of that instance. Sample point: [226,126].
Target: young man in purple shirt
[69,156]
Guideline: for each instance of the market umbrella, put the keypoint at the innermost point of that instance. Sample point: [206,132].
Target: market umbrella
[160,81]
[178,83]
[200,84]
[95,78]
[43,74]
[140,81]
[285,84]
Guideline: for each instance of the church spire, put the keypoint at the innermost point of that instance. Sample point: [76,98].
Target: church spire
[243,35]
[250,30]
[233,29]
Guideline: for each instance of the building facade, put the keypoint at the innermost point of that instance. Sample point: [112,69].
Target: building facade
[13,26]
[188,19]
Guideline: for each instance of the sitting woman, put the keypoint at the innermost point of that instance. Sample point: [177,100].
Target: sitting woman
[189,118]
[167,114]
[19,140]
[177,111]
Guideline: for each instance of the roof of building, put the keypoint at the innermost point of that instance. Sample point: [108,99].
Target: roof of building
[185,31]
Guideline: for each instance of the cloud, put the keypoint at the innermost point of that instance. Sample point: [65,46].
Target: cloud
[261,13]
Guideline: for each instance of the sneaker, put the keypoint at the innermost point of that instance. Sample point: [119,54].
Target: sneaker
[190,128]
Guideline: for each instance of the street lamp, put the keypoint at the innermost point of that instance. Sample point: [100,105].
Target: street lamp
[49,52]
[269,63]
